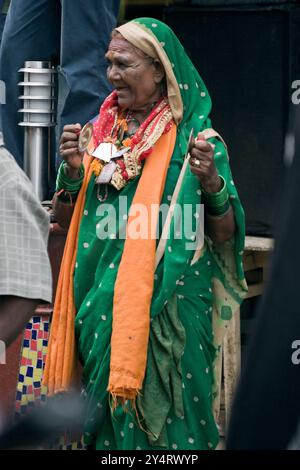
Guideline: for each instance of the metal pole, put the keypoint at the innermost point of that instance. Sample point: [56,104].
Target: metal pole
[38,119]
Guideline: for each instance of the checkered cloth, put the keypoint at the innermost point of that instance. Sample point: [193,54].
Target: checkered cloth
[24,227]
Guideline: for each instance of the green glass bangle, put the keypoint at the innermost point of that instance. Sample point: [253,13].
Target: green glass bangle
[68,184]
[220,210]
[216,200]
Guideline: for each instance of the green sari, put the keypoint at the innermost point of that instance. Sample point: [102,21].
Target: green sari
[191,303]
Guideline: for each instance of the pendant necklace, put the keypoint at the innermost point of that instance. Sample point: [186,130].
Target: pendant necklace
[132,123]
[100,197]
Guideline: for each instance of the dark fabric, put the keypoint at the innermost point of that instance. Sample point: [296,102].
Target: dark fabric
[3,12]
[69,33]
[251,104]
[31,32]
[2,22]
[227,3]
[266,410]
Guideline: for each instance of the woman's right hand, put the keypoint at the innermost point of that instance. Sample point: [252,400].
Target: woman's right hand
[68,149]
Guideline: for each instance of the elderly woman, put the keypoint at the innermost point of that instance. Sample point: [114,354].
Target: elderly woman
[146,315]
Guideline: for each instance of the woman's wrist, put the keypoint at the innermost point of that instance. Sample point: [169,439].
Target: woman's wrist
[217,203]
[212,185]
[64,182]
[72,173]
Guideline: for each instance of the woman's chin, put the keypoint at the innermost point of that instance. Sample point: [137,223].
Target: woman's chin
[123,102]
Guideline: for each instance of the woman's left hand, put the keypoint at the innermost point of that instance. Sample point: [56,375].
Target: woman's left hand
[202,164]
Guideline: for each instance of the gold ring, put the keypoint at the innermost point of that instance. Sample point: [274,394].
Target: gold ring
[197,162]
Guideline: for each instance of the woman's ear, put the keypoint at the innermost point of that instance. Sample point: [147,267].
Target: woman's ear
[159,73]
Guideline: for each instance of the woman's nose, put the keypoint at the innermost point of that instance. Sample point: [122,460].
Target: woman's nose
[113,73]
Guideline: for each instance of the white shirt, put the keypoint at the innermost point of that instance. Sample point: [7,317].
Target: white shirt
[24,227]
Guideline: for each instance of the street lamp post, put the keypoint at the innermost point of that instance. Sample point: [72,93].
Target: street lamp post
[38,119]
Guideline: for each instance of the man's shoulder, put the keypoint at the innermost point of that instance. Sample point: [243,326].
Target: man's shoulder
[8,164]
[10,172]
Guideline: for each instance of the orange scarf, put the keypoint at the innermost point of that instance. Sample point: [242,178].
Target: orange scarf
[61,361]
[133,290]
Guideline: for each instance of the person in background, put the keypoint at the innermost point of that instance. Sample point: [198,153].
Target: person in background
[25,272]
[4,4]
[73,34]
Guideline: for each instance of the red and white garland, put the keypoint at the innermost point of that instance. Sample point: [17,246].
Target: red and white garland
[141,144]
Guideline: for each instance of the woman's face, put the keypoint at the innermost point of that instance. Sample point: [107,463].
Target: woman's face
[135,77]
